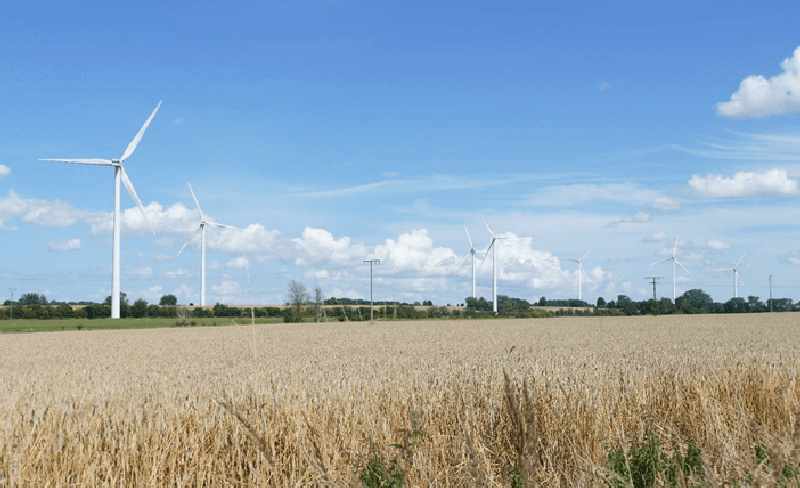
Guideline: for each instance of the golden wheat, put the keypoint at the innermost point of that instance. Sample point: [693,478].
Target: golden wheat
[310,405]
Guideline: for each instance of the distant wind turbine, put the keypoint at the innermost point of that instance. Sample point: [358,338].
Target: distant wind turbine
[674,259]
[472,253]
[204,223]
[579,262]
[735,270]
[120,175]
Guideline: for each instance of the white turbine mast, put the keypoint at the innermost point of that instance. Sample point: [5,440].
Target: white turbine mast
[120,176]
[472,253]
[674,259]
[735,270]
[493,248]
[201,230]
[579,262]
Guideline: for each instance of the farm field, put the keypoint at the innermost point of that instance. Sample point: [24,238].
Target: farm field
[31,325]
[616,401]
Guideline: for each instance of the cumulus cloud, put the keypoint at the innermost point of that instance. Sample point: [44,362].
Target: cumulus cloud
[745,184]
[758,96]
[4,170]
[227,290]
[143,272]
[49,213]
[66,245]
[414,251]
[717,244]
[584,193]
[252,239]
[239,262]
[320,246]
[175,219]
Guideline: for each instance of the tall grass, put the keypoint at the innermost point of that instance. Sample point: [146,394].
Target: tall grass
[700,401]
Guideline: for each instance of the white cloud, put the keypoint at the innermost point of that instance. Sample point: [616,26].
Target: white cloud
[176,218]
[655,237]
[414,251]
[49,213]
[67,245]
[745,183]
[252,239]
[176,273]
[239,262]
[4,170]
[227,291]
[143,272]
[717,244]
[584,193]
[637,218]
[758,96]
[320,246]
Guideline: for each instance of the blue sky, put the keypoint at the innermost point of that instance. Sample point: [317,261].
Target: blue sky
[329,131]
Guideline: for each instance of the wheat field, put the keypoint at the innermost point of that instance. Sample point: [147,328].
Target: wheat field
[554,402]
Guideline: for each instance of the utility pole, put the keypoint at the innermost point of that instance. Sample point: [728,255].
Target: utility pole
[770,293]
[371,262]
[11,303]
[653,280]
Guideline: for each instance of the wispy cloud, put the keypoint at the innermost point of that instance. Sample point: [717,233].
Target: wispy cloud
[637,218]
[63,246]
[761,147]
[426,184]
[584,193]
[4,170]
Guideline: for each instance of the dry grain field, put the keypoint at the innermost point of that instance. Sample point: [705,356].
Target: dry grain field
[651,401]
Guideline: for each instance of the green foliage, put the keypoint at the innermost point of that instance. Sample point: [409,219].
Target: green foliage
[168,300]
[646,464]
[379,473]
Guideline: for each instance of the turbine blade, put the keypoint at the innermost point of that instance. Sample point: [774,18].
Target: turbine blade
[486,252]
[675,247]
[740,260]
[584,255]
[90,161]
[193,238]
[196,201]
[682,267]
[661,261]
[469,238]
[138,137]
[222,226]
[489,228]
[132,192]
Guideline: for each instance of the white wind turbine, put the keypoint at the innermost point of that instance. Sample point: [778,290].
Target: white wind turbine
[204,223]
[120,175]
[735,270]
[472,253]
[579,262]
[493,247]
[674,259]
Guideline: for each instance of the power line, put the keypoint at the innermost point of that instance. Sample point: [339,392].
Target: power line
[653,280]
[371,262]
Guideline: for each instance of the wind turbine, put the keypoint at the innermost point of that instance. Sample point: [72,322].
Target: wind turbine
[674,259]
[579,262]
[204,223]
[472,253]
[493,247]
[120,175]
[735,270]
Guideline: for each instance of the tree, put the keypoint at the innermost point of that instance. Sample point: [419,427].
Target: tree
[168,301]
[298,296]
[601,302]
[694,301]
[317,304]
[139,309]
[32,299]
[123,299]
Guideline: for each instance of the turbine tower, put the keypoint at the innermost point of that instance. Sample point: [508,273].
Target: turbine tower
[120,176]
[579,262]
[735,270]
[204,223]
[493,247]
[674,259]
[472,253]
